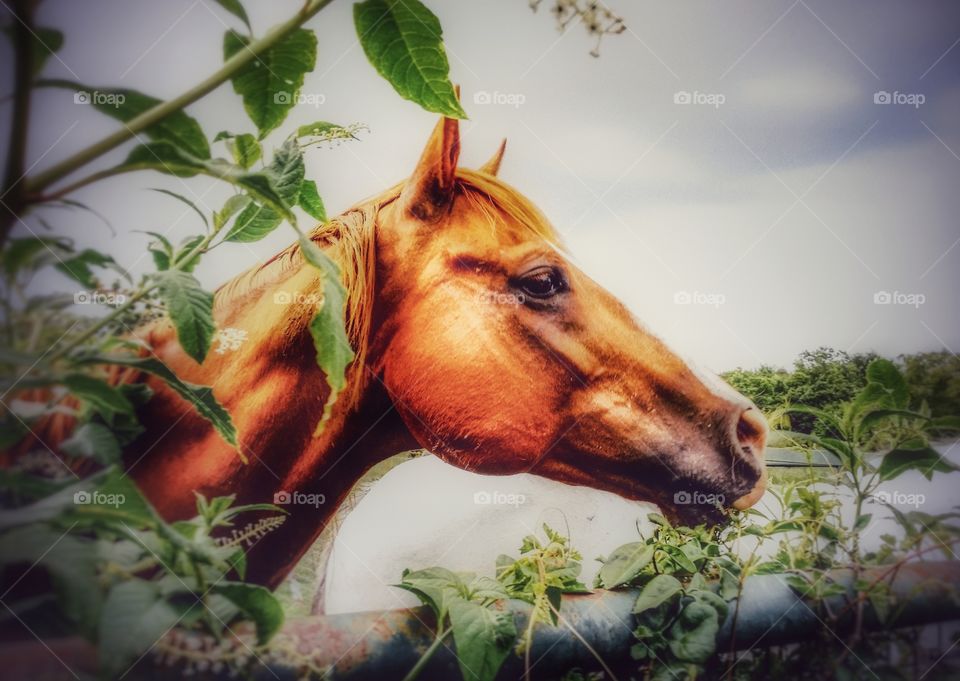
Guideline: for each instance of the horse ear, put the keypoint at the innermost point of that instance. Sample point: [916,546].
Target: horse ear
[429,190]
[492,166]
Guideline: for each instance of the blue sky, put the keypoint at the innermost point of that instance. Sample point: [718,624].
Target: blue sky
[781,200]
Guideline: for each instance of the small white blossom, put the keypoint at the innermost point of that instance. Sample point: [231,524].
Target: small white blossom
[229,339]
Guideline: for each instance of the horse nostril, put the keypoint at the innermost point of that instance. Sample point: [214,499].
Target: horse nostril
[752,433]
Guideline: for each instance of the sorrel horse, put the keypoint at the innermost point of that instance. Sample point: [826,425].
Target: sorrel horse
[475,338]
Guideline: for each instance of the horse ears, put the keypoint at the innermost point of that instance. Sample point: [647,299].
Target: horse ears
[429,191]
[492,166]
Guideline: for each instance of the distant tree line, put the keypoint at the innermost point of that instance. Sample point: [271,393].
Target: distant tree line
[827,378]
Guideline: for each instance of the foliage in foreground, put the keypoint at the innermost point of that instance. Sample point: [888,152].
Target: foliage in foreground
[689,579]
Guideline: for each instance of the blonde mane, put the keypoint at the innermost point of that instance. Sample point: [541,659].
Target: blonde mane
[350,240]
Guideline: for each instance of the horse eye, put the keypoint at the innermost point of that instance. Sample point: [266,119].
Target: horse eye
[543,282]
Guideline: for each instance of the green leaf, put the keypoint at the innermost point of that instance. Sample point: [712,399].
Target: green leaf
[244,148]
[255,222]
[98,394]
[923,458]
[309,199]
[330,340]
[93,441]
[433,586]
[190,309]
[185,201]
[236,9]
[233,205]
[694,635]
[885,373]
[78,266]
[22,253]
[178,129]
[135,616]
[270,84]
[624,564]
[404,42]
[258,603]
[45,42]
[658,590]
[484,638]
[287,170]
[200,396]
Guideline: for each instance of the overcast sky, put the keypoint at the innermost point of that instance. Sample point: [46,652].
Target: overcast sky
[780,200]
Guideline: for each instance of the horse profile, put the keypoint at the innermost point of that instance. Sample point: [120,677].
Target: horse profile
[475,338]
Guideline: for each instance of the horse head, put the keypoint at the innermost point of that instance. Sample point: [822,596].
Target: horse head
[502,356]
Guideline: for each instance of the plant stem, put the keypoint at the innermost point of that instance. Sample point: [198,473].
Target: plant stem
[428,653]
[161,111]
[13,191]
[92,331]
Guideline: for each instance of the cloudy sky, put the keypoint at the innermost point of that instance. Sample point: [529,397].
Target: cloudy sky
[733,154]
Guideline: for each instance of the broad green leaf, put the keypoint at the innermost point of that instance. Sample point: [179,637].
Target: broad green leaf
[98,394]
[925,459]
[135,616]
[658,590]
[255,222]
[258,603]
[270,84]
[244,148]
[624,564]
[330,340]
[21,253]
[693,638]
[404,42]
[185,201]
[233,205]
[236,9]
[287,170]
[484,638]
[78,266]
[190,309]
[433,586]
[177,129]
[93,441]
[200,396]
[309,199]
